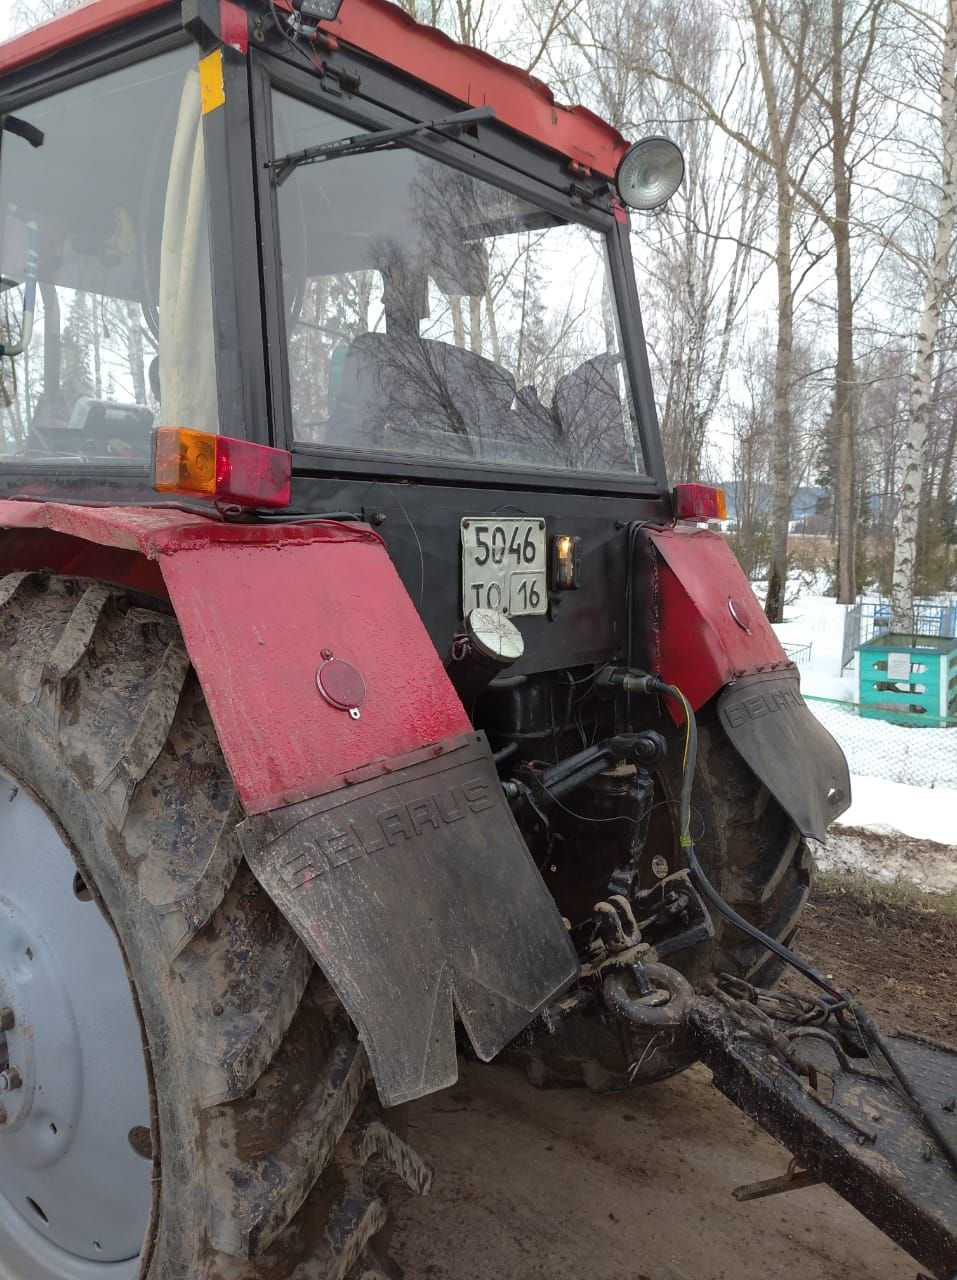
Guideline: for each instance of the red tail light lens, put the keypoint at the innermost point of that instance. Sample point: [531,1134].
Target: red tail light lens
[700,502]
[201,465]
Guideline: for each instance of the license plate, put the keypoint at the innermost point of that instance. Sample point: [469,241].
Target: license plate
[503,566]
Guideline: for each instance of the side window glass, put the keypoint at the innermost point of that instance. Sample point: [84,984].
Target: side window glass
[109,218]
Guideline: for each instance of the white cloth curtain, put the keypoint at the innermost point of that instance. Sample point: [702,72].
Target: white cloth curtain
[187,341]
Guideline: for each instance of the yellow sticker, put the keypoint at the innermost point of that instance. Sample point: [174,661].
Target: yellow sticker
[212,84]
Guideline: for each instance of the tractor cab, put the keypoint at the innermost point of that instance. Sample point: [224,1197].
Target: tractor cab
[347,238]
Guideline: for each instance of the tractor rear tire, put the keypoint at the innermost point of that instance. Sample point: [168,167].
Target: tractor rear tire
[751,851]
[271,1155]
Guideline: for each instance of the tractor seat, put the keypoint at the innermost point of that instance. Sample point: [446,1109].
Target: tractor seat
[405,394]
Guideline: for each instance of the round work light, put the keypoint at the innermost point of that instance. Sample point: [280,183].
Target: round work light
[650,173]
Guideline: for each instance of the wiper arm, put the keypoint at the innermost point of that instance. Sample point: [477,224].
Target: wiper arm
[23,129]
[379,140]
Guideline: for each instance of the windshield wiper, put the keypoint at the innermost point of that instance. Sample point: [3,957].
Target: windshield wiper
[23,129]
[379,140]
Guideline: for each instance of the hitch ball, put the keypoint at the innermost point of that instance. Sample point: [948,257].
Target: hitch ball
[651,1001]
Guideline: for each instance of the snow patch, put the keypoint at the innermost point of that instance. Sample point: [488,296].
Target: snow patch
[886,856]
[919,812]
[903,778]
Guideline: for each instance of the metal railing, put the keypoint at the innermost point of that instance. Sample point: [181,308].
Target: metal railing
[797,652]
[922,755]
[869,618]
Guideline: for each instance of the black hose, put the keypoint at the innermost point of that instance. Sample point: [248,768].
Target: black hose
[687,844]
[864,1020]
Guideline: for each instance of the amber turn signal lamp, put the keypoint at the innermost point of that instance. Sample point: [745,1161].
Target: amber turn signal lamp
[700,502]
[566,562]
[200,465]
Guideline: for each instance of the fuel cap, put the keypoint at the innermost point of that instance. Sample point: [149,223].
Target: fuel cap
[342,685]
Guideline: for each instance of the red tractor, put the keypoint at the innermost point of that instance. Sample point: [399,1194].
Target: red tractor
[367,696]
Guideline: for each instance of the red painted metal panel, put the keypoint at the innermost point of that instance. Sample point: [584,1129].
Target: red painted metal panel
[387,32]
[164,530]
[234,25]
[258,606]
[257,621]
[43,551]
[81,23]
[701,587]
[520,100]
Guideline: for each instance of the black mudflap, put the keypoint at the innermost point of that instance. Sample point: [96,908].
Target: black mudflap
[415,892]
[791,752]
[846,1120]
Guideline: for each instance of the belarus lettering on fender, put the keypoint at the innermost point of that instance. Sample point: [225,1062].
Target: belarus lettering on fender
[389,827]
[762,704]
[417,897]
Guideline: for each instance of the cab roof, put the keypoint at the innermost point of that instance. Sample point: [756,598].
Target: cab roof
[388,33]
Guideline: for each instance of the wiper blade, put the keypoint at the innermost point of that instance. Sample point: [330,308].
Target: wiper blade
[23,129]
[379,140]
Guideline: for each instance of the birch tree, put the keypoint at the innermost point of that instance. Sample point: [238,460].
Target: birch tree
[775,140]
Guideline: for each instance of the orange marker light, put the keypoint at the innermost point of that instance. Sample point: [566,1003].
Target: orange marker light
[201,465]
[700,502]
[566,562]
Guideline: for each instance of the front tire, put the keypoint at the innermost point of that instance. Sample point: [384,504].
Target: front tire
[270,1156]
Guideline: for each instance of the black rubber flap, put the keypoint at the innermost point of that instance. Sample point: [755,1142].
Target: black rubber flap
[792,753]
[415,892]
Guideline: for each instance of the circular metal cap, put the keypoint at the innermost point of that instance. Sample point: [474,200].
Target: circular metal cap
[495,636]
[341,685]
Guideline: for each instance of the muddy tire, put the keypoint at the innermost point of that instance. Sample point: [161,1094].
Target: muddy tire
[750,850]
[271,1156]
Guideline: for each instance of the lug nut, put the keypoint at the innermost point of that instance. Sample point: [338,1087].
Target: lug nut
[10,1079]
[7,1019]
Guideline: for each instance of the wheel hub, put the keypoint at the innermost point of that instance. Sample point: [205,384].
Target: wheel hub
[39,1015]
[75,1192]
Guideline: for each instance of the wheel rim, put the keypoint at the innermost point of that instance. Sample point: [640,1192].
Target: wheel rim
[75,1163]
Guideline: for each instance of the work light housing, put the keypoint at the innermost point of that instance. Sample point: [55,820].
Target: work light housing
[650,173]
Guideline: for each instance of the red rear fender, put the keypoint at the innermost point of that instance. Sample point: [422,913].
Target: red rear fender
[705,626]
[259,606]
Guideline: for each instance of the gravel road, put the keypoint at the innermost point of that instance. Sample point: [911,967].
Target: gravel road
[572,1186]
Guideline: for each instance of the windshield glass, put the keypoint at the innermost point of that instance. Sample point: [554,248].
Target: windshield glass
[432,314]
[112,208]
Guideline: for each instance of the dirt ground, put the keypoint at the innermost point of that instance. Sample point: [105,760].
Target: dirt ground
[572,1186]
[899,959]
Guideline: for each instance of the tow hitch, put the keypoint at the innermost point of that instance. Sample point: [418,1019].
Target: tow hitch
[803,1070]
[873,1115]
